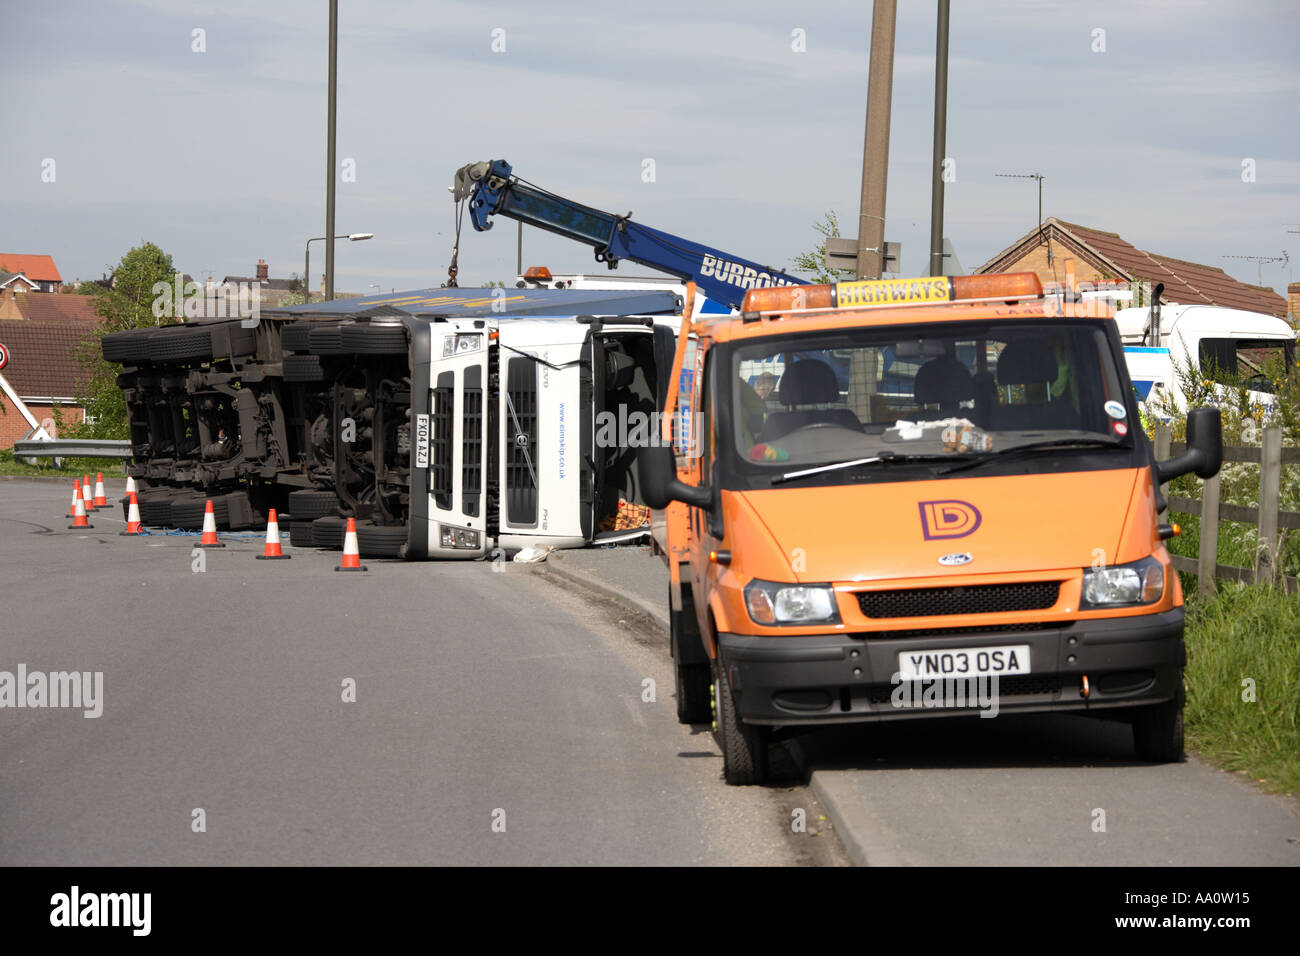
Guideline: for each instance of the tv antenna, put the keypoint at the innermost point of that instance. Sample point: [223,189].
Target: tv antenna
[1040,177]
[1260,260]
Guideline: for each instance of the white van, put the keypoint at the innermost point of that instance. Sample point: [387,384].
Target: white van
[1215,340]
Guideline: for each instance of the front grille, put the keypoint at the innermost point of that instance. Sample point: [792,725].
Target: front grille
[973,599]
[471,469]
[521,442]
[948,631]
[441,447]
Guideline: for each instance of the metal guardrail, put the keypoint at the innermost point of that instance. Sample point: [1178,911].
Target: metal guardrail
[73,448]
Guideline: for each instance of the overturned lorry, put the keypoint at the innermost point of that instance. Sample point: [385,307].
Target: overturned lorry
[449,423]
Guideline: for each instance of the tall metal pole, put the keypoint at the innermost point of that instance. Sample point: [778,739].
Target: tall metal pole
[519,250]
[875,148]
[940,141]
[331,173]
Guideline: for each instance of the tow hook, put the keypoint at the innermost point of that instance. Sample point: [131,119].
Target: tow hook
[1086,689]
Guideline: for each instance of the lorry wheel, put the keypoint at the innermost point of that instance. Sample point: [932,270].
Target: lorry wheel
[307,505]
[131,345]
[188,512]
[326,339]
[381,541]
[694,681]
[374,339]
[295,336]
[175,344]
[744,746]
[328,532]
[1158,729]
[303,368]
[300,535]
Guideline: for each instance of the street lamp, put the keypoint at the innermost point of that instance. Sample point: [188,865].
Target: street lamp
[306,265]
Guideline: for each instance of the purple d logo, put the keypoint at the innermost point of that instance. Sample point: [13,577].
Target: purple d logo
[948,519]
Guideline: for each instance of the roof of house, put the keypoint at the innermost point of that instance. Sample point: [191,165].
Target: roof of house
[1189,283]
[56,307]
[38,267]
[43,357]
[281,285]
[8,277]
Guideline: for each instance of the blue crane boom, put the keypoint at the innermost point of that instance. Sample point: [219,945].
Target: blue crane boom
[492,190]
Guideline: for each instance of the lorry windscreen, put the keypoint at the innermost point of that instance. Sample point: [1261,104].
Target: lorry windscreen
[921,394]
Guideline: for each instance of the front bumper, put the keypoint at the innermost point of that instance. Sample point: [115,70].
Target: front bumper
[845,678]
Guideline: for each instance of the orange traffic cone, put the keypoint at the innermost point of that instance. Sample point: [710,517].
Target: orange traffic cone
[87,495]
[100,500]
[130,485]
[76,496]
[351,553]
[209,539]
[126,495]
[272,549]
[133,526]
[79,517]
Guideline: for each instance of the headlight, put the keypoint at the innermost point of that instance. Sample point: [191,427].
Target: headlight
[1142,582]
[459,538]
[460,343]
[770,603]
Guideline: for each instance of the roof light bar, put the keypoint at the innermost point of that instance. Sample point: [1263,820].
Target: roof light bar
[865,292]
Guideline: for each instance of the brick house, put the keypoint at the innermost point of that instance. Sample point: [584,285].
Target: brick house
[1104,256]
[38,268]
[11,283]
[41,340]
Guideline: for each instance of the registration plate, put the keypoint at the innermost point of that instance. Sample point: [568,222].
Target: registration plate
[421,441]
[964,662]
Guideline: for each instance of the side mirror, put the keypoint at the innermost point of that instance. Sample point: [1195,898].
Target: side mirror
[1204,452]
[657,467]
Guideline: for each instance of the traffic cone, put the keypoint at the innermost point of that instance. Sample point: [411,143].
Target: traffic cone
[87,495]
[209,539]
[351,553]
[130,486]
[76,496]
[133,526]
[100,500]
[79,516]
[272,549]
[126,495]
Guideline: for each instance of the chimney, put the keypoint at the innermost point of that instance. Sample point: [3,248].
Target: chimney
[262,270]
[322,285]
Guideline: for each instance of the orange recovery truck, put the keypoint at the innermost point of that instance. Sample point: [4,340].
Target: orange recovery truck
[912,498]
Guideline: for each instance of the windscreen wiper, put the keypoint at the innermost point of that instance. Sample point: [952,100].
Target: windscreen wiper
[890,458]
[1034,446]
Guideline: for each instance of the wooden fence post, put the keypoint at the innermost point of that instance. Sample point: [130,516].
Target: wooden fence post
[1270,487]
[1163,438]
[1207,557]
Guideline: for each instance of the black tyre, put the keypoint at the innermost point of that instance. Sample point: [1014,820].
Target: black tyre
[129,346]
[381,541]
[306,506]
[694,681]
[326,339]
[176,343]
[328,532]
[188,512]
[744,746]
[1158,729]
[367,339]
[155,508]
[295,336]
[303,368]
[300,535]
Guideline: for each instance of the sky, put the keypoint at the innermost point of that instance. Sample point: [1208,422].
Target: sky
[1139,113]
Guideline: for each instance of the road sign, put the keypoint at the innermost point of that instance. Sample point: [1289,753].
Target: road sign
[4,356]
[843,254]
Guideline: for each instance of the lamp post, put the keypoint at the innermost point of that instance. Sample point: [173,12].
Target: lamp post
[306,264]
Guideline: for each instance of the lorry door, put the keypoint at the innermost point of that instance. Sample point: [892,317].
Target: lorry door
[704,573]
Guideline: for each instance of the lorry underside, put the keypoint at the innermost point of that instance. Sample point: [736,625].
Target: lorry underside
[311,418]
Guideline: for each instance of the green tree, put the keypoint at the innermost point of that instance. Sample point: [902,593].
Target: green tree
[813,263]
[129,304]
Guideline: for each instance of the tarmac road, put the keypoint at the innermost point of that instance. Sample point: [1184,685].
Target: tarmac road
[498,718]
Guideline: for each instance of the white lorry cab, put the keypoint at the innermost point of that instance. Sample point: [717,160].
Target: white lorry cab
[1222,345]
[526,429]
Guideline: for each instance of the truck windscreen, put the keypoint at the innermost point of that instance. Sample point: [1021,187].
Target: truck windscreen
[948,389]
